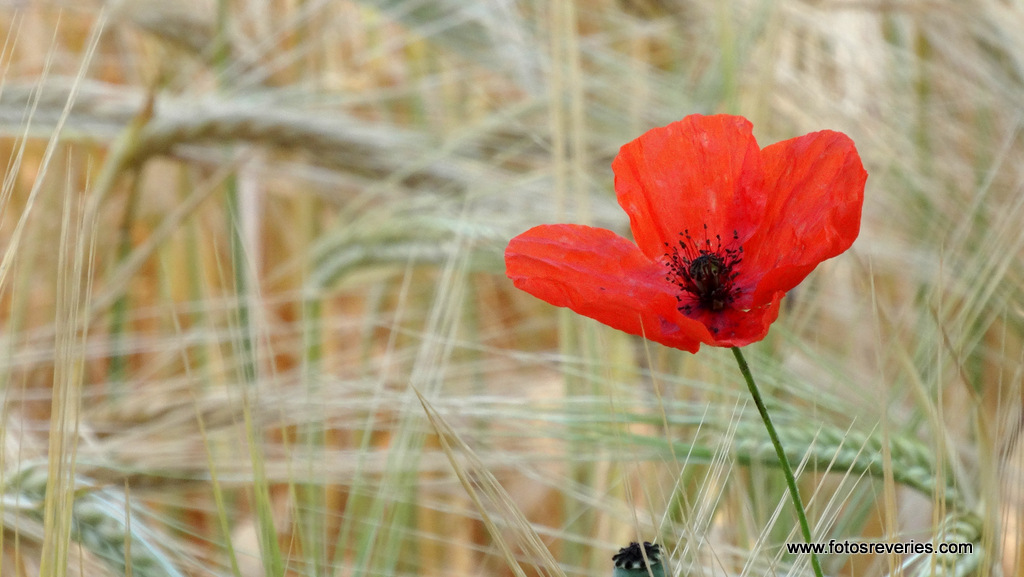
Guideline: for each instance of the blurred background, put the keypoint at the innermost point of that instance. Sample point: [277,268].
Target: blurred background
[255,320]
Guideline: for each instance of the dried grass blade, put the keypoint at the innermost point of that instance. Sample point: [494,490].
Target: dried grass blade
[481,485]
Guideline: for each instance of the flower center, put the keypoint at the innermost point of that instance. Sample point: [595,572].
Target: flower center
[703,270]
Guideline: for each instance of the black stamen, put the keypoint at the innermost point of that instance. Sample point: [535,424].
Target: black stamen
[707,274]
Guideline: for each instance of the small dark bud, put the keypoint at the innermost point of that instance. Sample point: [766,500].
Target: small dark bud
[632,558]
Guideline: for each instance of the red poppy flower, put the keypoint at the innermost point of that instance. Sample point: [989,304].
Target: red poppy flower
[723,230]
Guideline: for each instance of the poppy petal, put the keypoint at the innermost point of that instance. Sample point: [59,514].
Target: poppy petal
[599,274]
[815,189]
[735,327]
[701,170]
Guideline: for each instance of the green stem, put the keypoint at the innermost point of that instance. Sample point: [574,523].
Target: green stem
[787,469]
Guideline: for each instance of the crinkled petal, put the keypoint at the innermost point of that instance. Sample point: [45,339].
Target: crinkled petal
[815,190]
[599,274]
[734,327]
[702,170]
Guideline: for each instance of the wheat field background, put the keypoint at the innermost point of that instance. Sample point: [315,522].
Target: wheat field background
[255,320]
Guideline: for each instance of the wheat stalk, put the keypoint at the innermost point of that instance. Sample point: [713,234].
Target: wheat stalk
[99,521]
[857,452]
[329,138]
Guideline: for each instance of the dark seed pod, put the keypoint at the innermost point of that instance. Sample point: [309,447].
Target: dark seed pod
[632,561]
